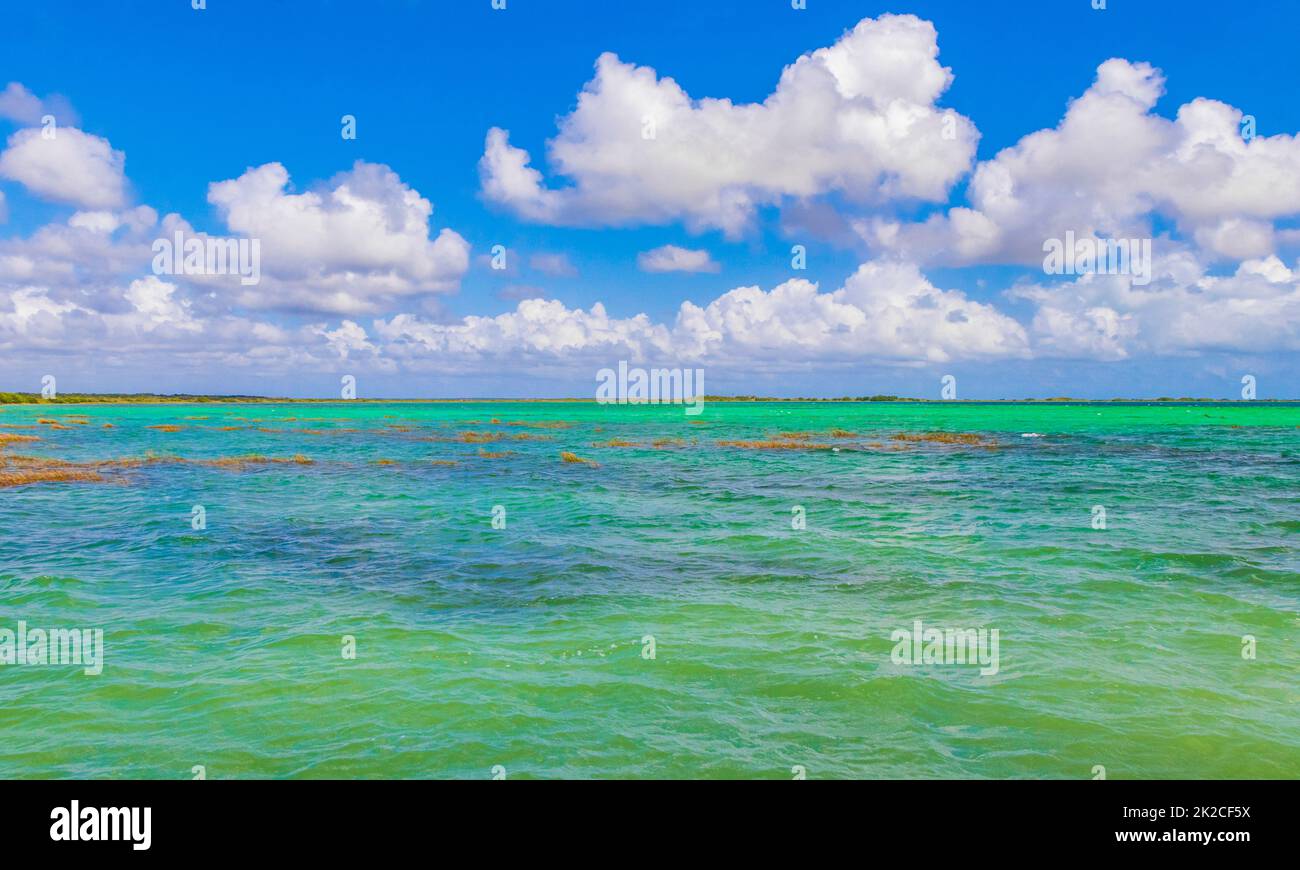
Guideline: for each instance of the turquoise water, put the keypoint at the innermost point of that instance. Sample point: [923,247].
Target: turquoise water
[526,647]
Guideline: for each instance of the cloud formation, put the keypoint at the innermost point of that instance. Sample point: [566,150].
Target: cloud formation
[671,258]
[884,310]
[66,165]
[354,245]
[1107,170]
[858,118]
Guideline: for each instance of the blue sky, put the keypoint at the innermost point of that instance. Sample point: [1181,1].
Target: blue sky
[192,98]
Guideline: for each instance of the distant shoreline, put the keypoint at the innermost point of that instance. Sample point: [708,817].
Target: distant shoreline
[19,399]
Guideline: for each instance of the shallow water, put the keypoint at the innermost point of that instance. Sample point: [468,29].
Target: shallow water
[525,647]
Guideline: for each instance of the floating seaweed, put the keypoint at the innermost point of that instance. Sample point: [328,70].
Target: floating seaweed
[240,463]
[972,439]
[616,442]
[9,478]
[775,444]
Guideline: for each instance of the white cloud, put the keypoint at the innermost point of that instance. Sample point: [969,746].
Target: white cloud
[1184,310]
[536,328]
[20,105]
[670,258]
[83,255]
[884,311]
[348,339]
[152,325]
[72,167]
[350,247]
[858,118]
[1106,170]
[156,304]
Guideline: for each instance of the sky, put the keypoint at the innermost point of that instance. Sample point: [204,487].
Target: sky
[851,198]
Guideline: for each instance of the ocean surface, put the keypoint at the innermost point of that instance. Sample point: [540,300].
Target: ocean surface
[660,613]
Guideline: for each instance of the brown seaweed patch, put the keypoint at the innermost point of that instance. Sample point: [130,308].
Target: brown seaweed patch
[479,437]
[22,470]
[616,442]
[499,454]
[971,439]
[529,436]
[575,459]
[775,444]
[443,462]
[843,433]
[10,438]
[23,477]
[150,458]
[166,427]
[240,463]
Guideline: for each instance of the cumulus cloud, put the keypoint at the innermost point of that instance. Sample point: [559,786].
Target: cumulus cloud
[152,315]
[670,258]
[83,255]
[21,106]
[152,321]
[537,328]
[884,310]
[70,167]
[352,246]
[1183,310]
[857,118]
[1105,170]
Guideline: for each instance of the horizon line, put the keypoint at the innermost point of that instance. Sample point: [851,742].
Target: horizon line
[20,398]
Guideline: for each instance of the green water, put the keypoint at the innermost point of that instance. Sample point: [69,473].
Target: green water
[526,646]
